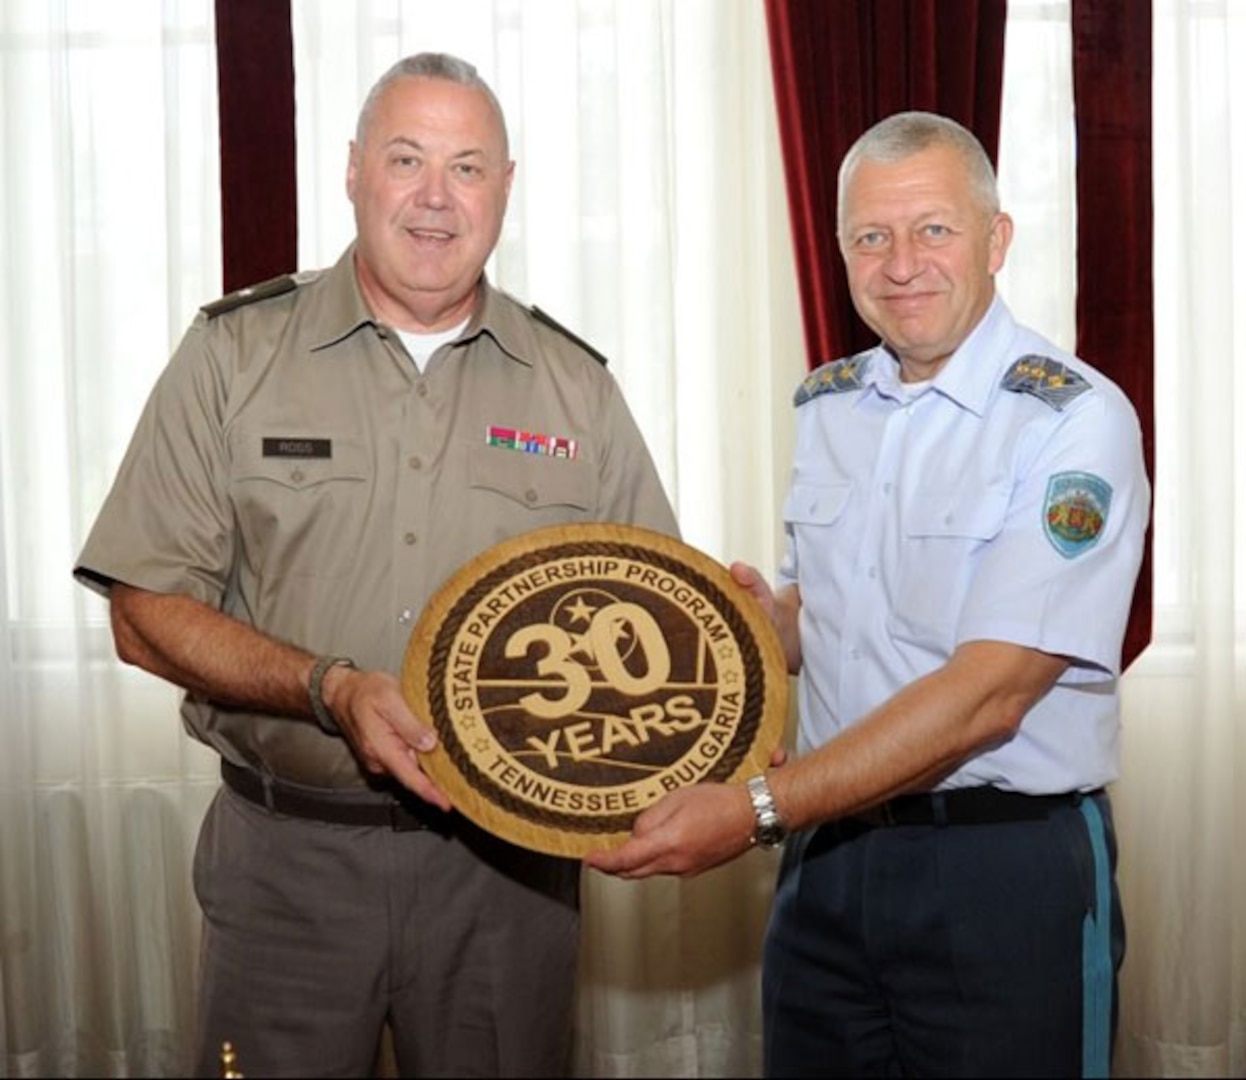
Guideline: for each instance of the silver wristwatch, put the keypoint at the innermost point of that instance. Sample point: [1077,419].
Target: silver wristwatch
[770,831]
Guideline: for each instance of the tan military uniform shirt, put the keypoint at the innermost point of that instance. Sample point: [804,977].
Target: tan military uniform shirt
[294,469]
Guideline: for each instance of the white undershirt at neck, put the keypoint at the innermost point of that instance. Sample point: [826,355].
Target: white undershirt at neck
[911,391]
[421,346]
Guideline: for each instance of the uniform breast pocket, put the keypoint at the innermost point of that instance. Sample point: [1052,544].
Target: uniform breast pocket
[943,533]
[813,515]
[301,516]
[553,490]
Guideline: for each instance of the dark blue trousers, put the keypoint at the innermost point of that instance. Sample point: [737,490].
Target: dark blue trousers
[956,950]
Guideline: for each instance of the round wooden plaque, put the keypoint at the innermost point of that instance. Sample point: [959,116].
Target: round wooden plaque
[576,674]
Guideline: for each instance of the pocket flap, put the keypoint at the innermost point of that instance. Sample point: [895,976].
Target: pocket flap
[815,504]
[532,479]
[327,458]
[976,514]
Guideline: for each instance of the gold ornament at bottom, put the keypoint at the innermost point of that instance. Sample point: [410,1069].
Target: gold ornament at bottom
[229,1062]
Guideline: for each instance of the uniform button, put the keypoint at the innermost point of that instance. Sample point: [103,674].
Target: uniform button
[855,654]
[297,476]
[422,390]
[405,617]
[414,462]
[530,495]
[887,487]
[409,539]
[873,571]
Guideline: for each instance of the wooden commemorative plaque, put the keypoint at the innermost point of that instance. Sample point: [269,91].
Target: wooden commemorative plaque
[577,673]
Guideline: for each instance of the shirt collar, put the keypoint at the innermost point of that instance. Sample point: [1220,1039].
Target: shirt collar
[503,319]
[972,371]
[341,310]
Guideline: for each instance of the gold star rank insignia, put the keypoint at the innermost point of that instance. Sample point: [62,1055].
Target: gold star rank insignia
[833,378]
[1050,381]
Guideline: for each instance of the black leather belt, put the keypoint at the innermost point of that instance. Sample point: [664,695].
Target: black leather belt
[964,806]
[402,813]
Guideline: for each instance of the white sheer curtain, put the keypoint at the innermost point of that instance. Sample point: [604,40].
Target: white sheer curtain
[108,241]
[1181,801]
[649,215]
[1183,794]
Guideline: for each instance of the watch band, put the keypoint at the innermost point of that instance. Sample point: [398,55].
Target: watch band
[315,690]
[770,831]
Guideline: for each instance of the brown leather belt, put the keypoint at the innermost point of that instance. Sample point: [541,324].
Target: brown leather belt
[402,813]
[964,806]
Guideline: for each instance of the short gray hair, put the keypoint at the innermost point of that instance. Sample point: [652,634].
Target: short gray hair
[904,134]
[429,65]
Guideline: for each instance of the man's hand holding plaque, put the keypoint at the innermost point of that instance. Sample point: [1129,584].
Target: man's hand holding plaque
[577,674]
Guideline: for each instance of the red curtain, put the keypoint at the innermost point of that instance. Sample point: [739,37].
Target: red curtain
[1115,286]
[255,87]
[839,67]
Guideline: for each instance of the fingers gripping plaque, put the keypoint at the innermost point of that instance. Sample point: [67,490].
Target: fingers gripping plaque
[576,674]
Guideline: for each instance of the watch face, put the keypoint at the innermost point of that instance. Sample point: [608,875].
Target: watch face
[770,835]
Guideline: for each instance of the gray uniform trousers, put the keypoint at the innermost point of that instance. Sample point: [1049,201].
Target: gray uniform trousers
[316,935]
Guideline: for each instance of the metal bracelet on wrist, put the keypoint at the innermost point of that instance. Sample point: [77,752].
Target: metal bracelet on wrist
[315,690]
[770,831]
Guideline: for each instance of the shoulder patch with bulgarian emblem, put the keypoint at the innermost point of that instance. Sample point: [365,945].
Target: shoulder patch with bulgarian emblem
[1050,381]
[833,378]
[1075,511]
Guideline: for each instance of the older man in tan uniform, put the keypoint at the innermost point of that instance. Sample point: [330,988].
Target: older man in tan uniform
[322,452]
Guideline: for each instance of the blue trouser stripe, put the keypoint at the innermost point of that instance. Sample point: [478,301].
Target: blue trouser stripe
[1097,953]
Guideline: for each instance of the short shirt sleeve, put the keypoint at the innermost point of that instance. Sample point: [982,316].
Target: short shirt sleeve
[1059,577]
[165,524]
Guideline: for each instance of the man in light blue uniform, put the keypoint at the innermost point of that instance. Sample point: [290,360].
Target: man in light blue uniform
[965,524]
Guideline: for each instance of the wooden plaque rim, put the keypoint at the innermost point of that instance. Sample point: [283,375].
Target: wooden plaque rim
[579,838]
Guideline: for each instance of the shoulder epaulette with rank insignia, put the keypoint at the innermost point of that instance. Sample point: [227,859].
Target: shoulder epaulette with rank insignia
[249,295]
[833,378]
[1050,381]
[556,325]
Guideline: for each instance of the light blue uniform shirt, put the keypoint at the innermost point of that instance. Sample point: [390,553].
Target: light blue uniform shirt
[969,511]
